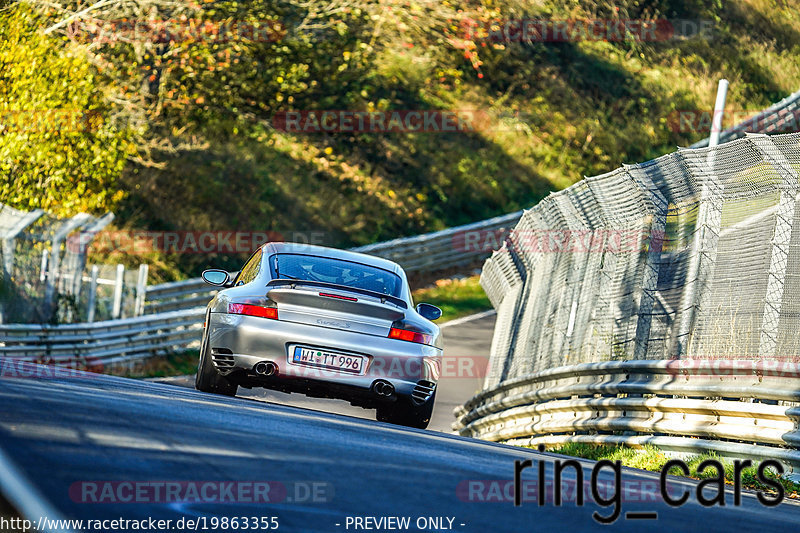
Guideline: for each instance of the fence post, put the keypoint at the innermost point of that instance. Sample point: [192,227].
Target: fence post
[92,295]
[719,109]
[704,244]
[116,309]
[84,240]
[55,255]
[43,265]
[12,234]
[650,276]
[781,237]
[141,290]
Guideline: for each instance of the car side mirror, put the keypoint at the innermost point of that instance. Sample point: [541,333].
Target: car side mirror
[214,276]
[429,312]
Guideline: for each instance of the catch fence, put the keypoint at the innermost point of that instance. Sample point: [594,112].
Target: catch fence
[694,256]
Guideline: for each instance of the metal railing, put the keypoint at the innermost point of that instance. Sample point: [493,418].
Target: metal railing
[734,408]
[178,295]
[102,344]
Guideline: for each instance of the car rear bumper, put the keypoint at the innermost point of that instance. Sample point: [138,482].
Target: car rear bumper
[238,343]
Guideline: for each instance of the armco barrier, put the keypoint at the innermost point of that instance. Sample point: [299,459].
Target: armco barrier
[734,408]
[178,295]
[102,344]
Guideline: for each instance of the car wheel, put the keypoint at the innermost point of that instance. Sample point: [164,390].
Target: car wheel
[208,379]
[404,414]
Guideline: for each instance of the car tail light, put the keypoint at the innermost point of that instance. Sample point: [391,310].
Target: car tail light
[410,336]
[253,310]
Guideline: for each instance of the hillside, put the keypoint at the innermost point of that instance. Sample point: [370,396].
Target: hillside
[191,133]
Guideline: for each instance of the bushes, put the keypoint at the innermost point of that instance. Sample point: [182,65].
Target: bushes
[58,151]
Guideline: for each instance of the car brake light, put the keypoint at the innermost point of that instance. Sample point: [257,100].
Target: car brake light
[253,310]
[329,295]
[410,336]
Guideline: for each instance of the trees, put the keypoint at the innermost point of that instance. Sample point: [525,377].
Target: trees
[58,150]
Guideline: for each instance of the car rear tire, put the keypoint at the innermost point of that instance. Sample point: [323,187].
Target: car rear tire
[405,414]
[208,379]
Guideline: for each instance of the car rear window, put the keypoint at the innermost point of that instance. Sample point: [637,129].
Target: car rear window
[337,271]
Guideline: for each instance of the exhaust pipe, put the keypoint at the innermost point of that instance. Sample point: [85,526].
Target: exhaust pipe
[383,388]
[266,368]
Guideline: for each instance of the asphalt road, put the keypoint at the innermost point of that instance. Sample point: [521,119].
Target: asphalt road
[466,349]
[84,441]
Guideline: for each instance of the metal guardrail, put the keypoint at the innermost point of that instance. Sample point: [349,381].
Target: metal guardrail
[734,408]
[103,343]
[781,117]
[431,252]
[177,295]
[444,249]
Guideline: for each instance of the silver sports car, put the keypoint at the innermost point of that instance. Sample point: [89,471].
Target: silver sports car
[327,323]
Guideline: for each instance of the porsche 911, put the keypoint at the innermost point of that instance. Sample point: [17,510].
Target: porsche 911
[326,323]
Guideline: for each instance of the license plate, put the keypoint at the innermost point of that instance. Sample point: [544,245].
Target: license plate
[329,360]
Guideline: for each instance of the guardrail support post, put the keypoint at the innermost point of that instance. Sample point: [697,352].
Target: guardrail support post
[781,237]
[116,309]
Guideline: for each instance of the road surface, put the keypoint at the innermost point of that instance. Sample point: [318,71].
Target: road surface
[96,447]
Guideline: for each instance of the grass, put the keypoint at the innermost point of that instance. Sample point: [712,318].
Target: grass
[455,297]
[173,364]
[652,459]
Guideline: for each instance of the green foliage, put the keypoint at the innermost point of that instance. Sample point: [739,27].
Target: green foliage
[651,458]
[183,363]
[57,150]
[455,297]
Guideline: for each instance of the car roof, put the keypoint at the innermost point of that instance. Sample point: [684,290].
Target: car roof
[333,253]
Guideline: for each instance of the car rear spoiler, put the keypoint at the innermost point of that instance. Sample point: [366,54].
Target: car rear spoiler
[281,282]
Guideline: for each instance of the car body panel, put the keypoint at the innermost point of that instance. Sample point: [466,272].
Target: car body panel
[331,320]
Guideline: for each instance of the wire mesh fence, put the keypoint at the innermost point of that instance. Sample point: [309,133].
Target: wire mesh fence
[780,117]
[45,277]
[693,255]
